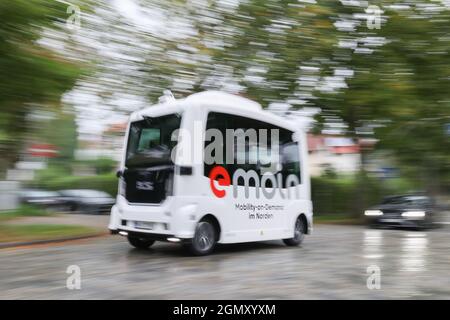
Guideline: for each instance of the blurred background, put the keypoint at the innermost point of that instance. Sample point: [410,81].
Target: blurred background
[371,79]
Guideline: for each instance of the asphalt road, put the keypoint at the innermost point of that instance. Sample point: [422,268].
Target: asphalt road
[331,264]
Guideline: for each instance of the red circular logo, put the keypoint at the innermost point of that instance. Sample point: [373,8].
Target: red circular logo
[220,174]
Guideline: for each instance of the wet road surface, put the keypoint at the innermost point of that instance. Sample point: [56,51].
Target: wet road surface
[331,264]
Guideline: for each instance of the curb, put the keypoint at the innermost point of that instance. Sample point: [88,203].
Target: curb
[49,241]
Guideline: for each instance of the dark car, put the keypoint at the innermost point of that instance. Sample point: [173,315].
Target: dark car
[417,211]
[87,201]
[41,198]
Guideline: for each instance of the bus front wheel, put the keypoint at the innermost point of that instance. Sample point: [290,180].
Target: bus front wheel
[299,233]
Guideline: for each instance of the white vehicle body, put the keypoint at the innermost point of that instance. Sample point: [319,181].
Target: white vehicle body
[240,218]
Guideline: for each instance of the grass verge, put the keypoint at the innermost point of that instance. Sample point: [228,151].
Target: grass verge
[338,219]
[34,232]
[23,211]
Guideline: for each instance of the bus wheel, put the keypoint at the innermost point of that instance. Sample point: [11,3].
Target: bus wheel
[204,239]
[299,233]
[140,243]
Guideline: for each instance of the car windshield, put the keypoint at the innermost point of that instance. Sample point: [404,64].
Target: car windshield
[408,200]
[150,141]
[39,194]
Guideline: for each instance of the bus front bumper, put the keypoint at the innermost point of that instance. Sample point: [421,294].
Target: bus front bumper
[162,222]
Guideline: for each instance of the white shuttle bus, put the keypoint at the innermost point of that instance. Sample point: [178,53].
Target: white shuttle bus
[212,168]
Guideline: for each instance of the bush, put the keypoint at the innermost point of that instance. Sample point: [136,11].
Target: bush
[104,165]
[351,195]
[50,173]
[103,182]
[331,196]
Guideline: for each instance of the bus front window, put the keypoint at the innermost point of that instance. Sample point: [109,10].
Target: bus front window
[150,141]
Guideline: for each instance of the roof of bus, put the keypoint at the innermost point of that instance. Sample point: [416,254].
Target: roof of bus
[223,98]
[217,98]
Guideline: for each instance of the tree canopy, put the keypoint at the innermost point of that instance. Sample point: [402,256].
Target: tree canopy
[31,77]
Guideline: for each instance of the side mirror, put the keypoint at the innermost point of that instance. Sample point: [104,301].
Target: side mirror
[119,173]
[296,136]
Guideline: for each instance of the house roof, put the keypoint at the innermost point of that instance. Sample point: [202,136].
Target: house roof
[334,144]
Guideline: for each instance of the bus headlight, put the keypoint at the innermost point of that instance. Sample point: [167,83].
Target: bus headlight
[373,213]
[413,214]
[169,185]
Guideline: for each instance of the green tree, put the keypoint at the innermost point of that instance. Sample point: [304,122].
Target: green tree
[395,79]
[255,47]
[401,88]
[32,78]
[59,130]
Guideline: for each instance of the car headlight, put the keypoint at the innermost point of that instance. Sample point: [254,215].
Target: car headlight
[373,213]
[413,214]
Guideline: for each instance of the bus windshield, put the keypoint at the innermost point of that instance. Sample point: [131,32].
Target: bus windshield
[150,141]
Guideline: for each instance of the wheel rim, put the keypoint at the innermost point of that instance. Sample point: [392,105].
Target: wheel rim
[204,238]
[299,229]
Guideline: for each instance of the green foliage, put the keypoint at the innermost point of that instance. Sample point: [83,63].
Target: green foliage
[49,174]
[101,165]
[341,195]
[338,219]
[58,177]
[32,78]
[401,71]
[403,82]
[60,131]
[23,211]
[259,38]
[402,88]
[33,232]
[104,182]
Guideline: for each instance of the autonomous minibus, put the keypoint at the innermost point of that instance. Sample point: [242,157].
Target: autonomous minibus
[212,168]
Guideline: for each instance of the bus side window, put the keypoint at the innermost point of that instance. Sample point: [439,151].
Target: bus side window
[290,155]
[254,155]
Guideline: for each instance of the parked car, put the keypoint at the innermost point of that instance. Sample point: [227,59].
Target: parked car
[416,211]
[41,198]
[87,201]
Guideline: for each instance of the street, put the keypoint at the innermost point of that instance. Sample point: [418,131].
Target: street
[331,264]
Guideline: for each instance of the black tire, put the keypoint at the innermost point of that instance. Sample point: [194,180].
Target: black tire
[139,243]
[73,207]
[423,226]
[299,233]
[204,240]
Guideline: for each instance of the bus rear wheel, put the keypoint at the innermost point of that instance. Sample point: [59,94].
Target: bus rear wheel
[140,243]
[204,239]
[299,233]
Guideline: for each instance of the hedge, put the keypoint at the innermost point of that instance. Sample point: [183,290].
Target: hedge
[351,195]
[104,182]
